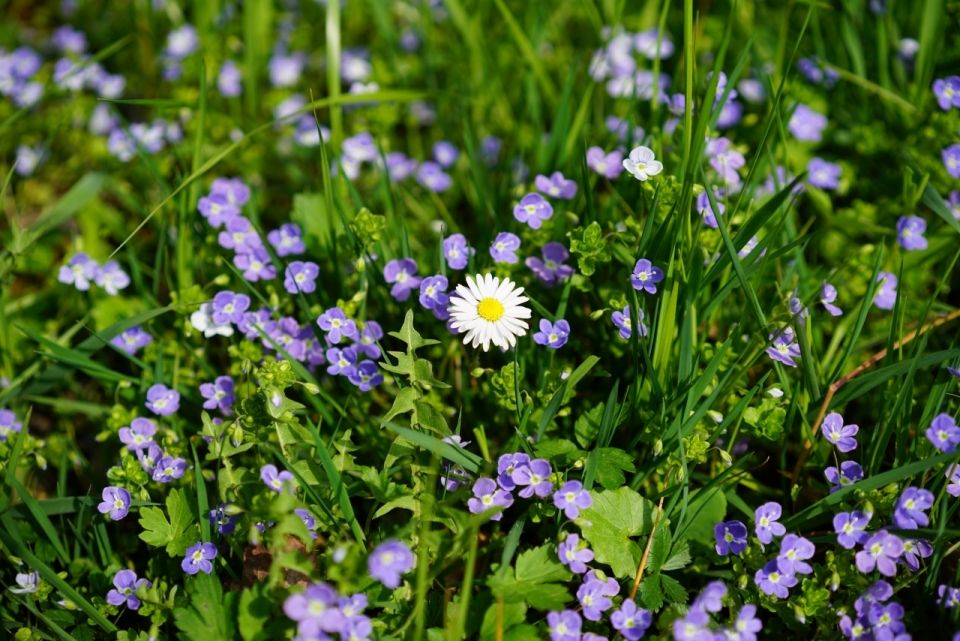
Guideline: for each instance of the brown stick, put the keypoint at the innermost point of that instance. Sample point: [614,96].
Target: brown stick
[859,370]
[646,551]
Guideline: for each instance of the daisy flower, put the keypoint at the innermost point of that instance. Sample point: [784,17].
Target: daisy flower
[489,310]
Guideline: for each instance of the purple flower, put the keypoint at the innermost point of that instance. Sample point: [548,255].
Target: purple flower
[285,70]
[794,551]
[308,520]
[564,626]
[913,551]
[487,497]
[823,174]
[149,458]
[731,537]
[139,435]
[851,528]
[315,610]
[839,434]
[571,498]
[400,166]
[645,276]
[235,190]
[456,251]
[952,474]
[622,321]
[198,558]
[445,153]
[301,276]
[773,582]
[947,92]
[255,265]
[335,322]
[951,160]
[218,393]
[944,433]
[366,342]
[806,124]
[224,522]
[632,622]
[229,80]
[28,582]
[79,271]
[910,231]
[535,476]
[726,164]
[121,145]
[556,186]
[433,294]
[503,247]
[125,585]
[766,517]
[402,272]
[68,40]
[389,561]
[711,598]
[342,361]
[217,209]
[881,551]
[784,349]
[169,468]
[609,165]
[886,294]
[507,465]
[116,502]
[747,624]
[570,554]
[850,472]
[276,480]
[949,597]
[132,340]
[240,236]
[162,400]
[112,278]
[551,269]
[693,626]
[908,514]
[287,240]
[288,335]
[532,210]
[552,335]
[706,209]
[828,294]
[885,620]
[432,177]
[593,600]
[229,307]
[366,376]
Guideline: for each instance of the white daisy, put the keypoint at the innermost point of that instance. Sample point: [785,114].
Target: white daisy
[489,311]
[641,164]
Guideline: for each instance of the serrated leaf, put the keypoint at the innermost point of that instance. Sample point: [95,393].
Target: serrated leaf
[650,593]
[679,556]
[176,534]
[673,589]
[610,466]
[206,618]
[659,550]
[254,612]
[541,565]
[410,336]
[428,417]
[553,449]
[614,518]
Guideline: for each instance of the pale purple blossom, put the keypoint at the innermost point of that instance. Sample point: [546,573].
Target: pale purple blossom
[139,435]
[886,294]
[402,273]
[608,165]
[125,586]
[850,472]
[79,271]
[504,247]
[219,393]
[535,476]
[456,251]
[880,552]
[287,240]
[301,276]
[839,434]
[217,209]
[488,496]
[909,512]
[389,561]
[824,174]
[551,270]
[162,400]
[910,230]
[572,555]
[943,433]
[806,124]
[851,528]
[229,307]
[767,527]
[828,294]
[276,480]
[773,582]
[198,558]
[116,502]
[645,276]
[533,210]
[556,186]
[552,335]
[337,326]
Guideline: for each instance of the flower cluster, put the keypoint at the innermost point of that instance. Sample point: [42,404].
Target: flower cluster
[81,270]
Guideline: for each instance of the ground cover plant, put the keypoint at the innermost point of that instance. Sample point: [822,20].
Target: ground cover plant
[484,319]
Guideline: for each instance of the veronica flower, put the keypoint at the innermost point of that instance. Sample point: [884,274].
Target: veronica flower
[886,295]
[947,92]
[726,165]
[949,597]
[139,435]
[952,474]
[235,190]
[342,361]
[488,310]
[315,610]
[223,519]
[335,322]
[116,502]
[276,480]
[287,240]
[79,271]
[552,334]
[943,433]
[880,551]
[564,626]
[693,626]
[217,209]
[747,624]
[622,321]
[198,558]
[162,400]
[126,584]
[240,236]
[28,158]
[641,164]
[445,153]
[403,274]
[807,125]
[794,551]
[645,44]
[488,496]
[149,458]
[219,394]
[839,434]
[573,557]
[456,251]
[910,231]
[69,40]
[621,128]
[389,561]
[229,307]
[953,202]
[908,514]
[609,165]
[784,349]
[571,498]
[366,342]
[400,166]
[556,186]
[731,537]
[121,145]
[301,276]
[850,472]
[645,276]
[951,160]
[551,269]
[851,528]
[766,517]
[533,210]
[535,476]
[913,551]
[828,294]
[503,247]
[592,599]
[506,465]
[632,622]
[431,176]
[229,80]
[366,376]
[289,336]
[285,70]
[823,174]
[28,582]
[774,582]
[169,468]
[706,209]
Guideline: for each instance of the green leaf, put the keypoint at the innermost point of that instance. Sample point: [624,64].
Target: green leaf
[614,518]
[588,425]
[404,402]
[410,336]
[611,465]
[673,589]
[650,593]
[206,618]
[679,556]
[541,565]
[704,510]
[470,462]
[513,615]
[423,373]
[254,612]
[429,417]
[176,534]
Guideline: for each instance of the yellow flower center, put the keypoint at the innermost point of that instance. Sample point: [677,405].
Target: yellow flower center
[490,309]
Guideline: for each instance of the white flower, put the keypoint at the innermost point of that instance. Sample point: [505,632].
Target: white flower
[775,392]
[28,583]
[202,321]
[641,163]
[489,311]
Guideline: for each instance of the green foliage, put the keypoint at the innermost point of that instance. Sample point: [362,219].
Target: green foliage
[589,246]
[175,530]
[616,518]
